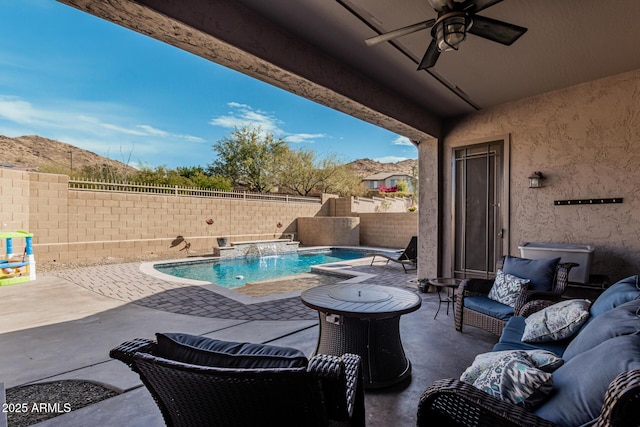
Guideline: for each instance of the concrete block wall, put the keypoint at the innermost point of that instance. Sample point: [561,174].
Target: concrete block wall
[391,230]
[381,204]
[112,224]
[342,206]
[329,231]
[71,225]
[78,226]
[14,206]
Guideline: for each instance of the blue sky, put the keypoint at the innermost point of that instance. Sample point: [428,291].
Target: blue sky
[70,76]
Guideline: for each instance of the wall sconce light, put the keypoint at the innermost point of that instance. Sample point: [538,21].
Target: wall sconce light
[535,180]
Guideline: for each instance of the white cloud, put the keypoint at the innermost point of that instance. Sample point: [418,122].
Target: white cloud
[401,140]
[153,131]
[303,137]
[79,121]
[192,138]
[245,115]
[123,129]
[15,110]
[237,105]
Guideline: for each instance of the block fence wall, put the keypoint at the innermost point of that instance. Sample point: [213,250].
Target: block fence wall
[70,225]
[83,226]
[392,230]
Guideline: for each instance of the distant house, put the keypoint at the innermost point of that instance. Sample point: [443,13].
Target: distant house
[387,182]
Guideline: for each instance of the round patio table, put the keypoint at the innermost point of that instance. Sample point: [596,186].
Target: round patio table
[365,320]
[449,284]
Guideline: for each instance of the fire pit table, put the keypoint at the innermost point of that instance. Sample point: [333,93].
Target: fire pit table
[365,320]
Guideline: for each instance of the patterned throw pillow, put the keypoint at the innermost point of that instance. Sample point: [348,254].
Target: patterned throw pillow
[541,359]
[545,360]
[514,379]
[556,322]
[507,288]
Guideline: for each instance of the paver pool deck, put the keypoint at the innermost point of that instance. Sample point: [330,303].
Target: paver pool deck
[63,325]
[128,283]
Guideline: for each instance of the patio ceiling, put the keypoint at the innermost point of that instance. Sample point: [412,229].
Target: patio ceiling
[316,48]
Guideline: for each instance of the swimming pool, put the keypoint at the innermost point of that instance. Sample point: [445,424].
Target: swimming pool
[235,272]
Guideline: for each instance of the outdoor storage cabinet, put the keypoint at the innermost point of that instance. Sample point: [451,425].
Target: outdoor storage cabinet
[580,254]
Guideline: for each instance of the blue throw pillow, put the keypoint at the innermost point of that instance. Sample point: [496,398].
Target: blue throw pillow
[623,291]
[581,383]
[622,320]
[198,350]
[540,272]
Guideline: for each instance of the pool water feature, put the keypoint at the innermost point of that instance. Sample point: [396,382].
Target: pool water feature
[235,272]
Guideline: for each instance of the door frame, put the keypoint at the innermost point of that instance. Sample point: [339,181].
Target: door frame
[504,197]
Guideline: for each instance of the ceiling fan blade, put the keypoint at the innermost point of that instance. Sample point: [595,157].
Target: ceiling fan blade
[494,30]
[475,6]
[400,32]
[430,57]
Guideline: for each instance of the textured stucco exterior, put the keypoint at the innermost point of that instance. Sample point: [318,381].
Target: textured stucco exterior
[429,253]
[586,142]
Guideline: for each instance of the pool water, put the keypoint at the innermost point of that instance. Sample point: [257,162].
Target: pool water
[235,272]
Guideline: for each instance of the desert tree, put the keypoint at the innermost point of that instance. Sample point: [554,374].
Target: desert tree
[249,157]
[303,171]
[345,182]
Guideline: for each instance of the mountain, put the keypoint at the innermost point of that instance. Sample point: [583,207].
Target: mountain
[32,152]
[366,167]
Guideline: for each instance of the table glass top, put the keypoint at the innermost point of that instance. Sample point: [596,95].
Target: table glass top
[361,299]
[359,295]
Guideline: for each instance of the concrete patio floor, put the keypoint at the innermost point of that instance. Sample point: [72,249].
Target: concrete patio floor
[63,325]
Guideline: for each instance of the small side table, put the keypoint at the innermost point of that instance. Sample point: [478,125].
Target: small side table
[449,284]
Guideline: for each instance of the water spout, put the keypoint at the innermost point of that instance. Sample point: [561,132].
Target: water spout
[267,248]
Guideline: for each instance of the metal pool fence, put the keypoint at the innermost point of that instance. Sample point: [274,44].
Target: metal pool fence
[128,187]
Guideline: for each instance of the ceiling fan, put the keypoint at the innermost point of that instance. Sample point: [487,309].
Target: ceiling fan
[455,20]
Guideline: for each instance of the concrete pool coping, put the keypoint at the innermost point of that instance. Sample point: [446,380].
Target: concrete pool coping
[339,268]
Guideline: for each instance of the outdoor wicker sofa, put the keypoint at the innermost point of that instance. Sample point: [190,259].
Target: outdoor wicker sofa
[452,403]
[604,351]
[474,308]
[252,384]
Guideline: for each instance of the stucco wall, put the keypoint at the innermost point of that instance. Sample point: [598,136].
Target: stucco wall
[586,141]
[429,248]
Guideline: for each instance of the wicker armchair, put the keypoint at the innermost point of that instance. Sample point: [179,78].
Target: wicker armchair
[477,287]
[452,403]
[327,392]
